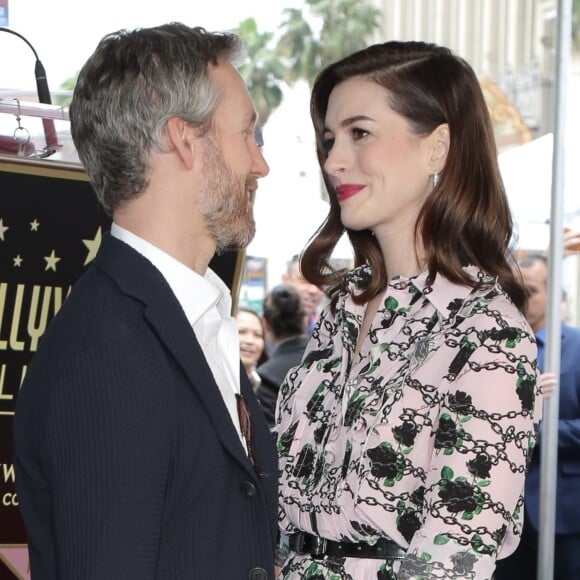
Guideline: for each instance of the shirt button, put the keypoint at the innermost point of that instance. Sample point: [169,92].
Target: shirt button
[248,489]
[258,574]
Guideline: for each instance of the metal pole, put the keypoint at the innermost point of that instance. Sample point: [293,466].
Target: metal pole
[549,429]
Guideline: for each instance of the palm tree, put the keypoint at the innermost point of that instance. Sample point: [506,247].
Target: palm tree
[576,23]
[334,29]
[261,69]
[67,85]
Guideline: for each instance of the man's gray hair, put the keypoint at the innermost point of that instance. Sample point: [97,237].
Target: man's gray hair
[128,89]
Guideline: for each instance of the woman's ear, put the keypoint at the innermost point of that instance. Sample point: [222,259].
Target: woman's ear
[179,139]
[439,146]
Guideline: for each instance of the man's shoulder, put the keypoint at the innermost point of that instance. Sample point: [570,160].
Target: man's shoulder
[570,332]
[570,342]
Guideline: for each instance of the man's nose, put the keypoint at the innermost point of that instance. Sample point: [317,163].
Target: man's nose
[261,167]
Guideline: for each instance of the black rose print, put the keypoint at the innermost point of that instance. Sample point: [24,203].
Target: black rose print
[463,562]
[405,433]
[526,389]
[408,523]
[480,466]
[458,496]
[448,434]
[385,461]
[305,462]
[285,439]
[460,403]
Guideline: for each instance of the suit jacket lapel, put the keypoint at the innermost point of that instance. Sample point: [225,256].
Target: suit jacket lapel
[136,276]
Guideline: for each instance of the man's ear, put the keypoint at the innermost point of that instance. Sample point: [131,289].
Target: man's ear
[439,142]
[180,137]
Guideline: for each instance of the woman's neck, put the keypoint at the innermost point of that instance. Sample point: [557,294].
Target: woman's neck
[402,253]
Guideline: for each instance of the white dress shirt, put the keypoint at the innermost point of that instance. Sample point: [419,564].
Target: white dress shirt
[207,303]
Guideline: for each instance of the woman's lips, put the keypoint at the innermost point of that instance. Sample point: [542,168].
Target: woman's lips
[347,190]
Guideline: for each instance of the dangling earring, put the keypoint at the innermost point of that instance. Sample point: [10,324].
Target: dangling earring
[436,178]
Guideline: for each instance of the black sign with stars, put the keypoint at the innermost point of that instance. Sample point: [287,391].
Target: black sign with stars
[51,227]
[50,230]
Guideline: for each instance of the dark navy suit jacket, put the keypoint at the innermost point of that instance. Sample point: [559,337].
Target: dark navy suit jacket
[568,478]
[127,463]
[286,355]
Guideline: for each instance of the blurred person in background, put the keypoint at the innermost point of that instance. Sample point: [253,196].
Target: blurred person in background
[311,294]
[285,321]
[524,562]
[252,343]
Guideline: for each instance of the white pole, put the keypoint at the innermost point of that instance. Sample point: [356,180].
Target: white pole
[549,431]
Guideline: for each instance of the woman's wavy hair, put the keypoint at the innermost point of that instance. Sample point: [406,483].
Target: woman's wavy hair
[127,90]
[466,218]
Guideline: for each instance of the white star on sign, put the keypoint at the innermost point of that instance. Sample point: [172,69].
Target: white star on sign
[3,229]
[51,261]
[34,225]
[17,261]
[93,246]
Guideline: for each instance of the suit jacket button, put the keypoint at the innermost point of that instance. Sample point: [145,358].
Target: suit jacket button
[258,574]
[249,489]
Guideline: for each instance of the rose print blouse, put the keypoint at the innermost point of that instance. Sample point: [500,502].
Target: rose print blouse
[423,438]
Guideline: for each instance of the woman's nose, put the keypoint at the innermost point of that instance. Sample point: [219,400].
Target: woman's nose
[336,161]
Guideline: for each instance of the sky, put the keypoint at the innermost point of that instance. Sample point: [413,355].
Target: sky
[65,32]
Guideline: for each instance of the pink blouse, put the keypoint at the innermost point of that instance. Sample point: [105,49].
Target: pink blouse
[423,438]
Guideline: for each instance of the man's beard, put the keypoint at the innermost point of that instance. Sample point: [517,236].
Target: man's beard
[225,203]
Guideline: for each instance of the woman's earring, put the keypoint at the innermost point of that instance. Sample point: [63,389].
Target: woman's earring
[436,178]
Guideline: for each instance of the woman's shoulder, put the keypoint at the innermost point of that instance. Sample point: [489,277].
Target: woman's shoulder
[494,301]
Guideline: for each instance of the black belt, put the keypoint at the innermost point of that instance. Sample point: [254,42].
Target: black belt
[382,549]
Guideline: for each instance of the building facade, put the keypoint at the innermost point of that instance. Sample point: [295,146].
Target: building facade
[510,44]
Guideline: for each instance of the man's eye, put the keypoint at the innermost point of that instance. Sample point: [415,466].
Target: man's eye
[259,137]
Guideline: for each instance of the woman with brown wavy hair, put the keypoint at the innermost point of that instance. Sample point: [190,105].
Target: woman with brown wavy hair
[405,432]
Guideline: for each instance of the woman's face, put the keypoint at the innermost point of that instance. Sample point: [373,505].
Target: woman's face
[380,170]
[251,338]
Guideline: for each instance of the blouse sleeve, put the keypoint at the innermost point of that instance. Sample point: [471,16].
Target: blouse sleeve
[483,437]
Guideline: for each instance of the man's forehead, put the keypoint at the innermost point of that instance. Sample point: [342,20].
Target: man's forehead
[234,99]
[534,276]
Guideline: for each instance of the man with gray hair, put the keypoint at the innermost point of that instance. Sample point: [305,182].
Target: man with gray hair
[140,449]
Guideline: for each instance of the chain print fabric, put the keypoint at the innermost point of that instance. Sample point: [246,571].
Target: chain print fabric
[424,438]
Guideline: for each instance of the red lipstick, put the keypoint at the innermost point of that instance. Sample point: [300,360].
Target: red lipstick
[347,190]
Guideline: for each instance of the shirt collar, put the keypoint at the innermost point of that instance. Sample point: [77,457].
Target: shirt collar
[442,292]
[196,294]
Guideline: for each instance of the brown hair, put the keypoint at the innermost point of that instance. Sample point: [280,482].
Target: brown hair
[466,218]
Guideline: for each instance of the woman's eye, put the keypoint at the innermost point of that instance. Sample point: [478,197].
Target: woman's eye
[327,143]
[358,133]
